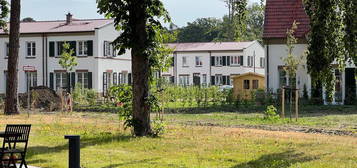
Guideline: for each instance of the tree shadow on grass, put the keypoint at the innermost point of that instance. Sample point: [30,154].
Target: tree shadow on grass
[276,160]
[131,163]
[86,141]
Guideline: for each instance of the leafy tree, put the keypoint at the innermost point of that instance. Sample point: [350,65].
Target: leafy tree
[237,17]
[255,21]
[4,11]
[201,30]
[325,42]
[13,60]
[28,19]
[350,23]
[68,61]
[139,21]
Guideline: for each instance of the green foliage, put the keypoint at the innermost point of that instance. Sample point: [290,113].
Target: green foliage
[122,96]
[201,30]
[271,114]
[332,33]
[292,62]
[84,96]
[4,11]
[67,60]
[158,127]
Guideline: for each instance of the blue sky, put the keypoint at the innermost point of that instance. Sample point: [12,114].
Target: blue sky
[181,11]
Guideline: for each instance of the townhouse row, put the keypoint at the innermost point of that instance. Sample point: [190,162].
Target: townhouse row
[214,63]
[41,45]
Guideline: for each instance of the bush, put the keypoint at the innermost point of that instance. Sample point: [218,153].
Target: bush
[271,114]
[158,127]
[83,96]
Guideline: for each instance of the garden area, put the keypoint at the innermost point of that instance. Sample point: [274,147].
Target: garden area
[196,127]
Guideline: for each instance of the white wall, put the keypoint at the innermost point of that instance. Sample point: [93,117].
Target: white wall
[23,61]
[191,67]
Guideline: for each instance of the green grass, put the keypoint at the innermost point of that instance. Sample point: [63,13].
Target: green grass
[105,144]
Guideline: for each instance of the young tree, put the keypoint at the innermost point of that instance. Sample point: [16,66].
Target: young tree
[12,66]
[68,61]
[4,11]
[139,21]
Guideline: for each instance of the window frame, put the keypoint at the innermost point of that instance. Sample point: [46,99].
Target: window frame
[31,48]
[218,61]
[184,61]
[184,80]
[82,44]
[84,76]
[246,84]
[218,79]
[7,50]
[63,83]
[255,84]
[198,61]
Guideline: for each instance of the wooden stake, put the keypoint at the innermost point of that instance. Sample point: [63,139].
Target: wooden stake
[283,103]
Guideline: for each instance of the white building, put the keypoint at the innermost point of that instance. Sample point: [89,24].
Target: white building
[41,45]
[279,17]
[214,63]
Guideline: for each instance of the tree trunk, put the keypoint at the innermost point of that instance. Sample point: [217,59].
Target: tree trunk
[12,81]
[140,69]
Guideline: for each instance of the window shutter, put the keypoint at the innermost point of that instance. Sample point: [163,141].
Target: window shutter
[224,60]
[104,48]
[52,81]
[129,78]
[228,80]
[90,47]
[224,80]
[120,78]
[73,46]
[90,80]
[73,80]
[105,83]
[68,82]
[228,61]
[172,61]
[213,80]
[241,60]
[52,48]
[212,61]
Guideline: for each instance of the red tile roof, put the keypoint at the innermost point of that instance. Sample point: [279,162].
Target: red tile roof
[279,16]
[61,26]
[211,46]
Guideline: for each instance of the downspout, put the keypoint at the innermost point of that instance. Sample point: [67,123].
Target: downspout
[267,66]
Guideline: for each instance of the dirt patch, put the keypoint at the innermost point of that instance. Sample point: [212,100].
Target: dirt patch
[281,128]
[42,98]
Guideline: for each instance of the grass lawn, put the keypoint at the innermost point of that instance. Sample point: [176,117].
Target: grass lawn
[105,144]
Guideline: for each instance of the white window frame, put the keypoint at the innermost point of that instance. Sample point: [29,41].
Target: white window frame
[235,60]
[218,79]
[262,62]
[250,61]
[83,79]
[82,48]
[218,60]
[107,49]
[184,80]
[199,61]
[61,84]
[204,79]
[32,76]
[32,48]
[184,61]
[7,50]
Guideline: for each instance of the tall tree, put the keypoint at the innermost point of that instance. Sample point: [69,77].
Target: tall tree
[255,21]
[4,11]
[201,30]
[12,78]
[139,21]
[237,17]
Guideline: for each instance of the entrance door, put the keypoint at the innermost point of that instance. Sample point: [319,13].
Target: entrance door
[350,86]
[196,79]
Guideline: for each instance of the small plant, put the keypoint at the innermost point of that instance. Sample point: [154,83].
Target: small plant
[271,113]
[158,127]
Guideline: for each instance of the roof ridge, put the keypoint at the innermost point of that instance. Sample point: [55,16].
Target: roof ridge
[64,20]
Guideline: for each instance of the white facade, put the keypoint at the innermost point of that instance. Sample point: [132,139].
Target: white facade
[275,54]
[216,66]
[95,70]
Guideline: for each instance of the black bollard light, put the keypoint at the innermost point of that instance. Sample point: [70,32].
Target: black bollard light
[74,151]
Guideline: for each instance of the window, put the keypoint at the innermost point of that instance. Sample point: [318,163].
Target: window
[198,61]
[7,50]
[184,61]
[235,60]
[107,48]
[246,84]
[250,61]
[61,80]
[196,79]
[219,61]
[262,62]
[204,79]
[255,84]
[31,79]
[218,79]
[282,76]
[59,48]
[82,78]
[31,49]
[82,48]
[184,80]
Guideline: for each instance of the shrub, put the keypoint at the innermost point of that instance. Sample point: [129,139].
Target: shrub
[84,96]
[158,127]
[271,113]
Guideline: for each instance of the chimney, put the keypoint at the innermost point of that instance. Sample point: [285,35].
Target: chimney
[69,18]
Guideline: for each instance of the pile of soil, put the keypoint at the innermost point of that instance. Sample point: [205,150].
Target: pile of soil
[42,98]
